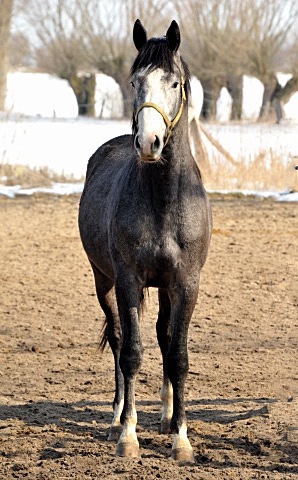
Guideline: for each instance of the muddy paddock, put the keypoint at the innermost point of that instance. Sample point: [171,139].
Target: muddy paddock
[57,388]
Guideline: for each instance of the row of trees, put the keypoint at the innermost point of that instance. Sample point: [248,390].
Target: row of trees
[221,40]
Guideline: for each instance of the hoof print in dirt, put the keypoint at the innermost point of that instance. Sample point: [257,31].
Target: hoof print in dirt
[183,455]
[114,434]
[165,427]
[130,450]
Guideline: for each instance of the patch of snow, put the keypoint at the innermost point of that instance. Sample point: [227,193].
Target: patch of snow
[252,97]
[283,78]
[224,106]
[56,189]
[62,146]
[279,196]
[291,108]
[245,141]
[108,97]
[71,188]
[40,94]
[197,96]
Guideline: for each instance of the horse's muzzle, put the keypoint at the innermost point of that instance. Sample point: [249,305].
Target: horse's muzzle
[148,149]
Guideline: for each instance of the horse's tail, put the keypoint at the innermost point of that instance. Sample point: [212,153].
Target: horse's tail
[104,335]
[103,340]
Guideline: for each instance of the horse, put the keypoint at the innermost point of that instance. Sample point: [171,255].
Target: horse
[145,221]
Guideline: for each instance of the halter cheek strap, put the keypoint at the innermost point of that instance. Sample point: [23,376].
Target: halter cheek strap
[170,124]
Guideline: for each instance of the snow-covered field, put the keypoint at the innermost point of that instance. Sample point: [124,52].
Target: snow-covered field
[64,146]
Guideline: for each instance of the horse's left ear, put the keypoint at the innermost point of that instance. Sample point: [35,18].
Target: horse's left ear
[173,36]
[139,35]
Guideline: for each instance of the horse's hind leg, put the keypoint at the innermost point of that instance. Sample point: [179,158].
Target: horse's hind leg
[112,333]
[163,329]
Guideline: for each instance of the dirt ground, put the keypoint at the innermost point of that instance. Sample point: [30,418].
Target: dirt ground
[56,388]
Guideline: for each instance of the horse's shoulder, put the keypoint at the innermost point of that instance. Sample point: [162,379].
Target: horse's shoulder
[115,150]
[123,142]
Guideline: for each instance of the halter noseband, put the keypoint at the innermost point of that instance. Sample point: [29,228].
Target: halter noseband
[170,124]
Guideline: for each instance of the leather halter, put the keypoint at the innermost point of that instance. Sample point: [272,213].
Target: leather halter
[170,124]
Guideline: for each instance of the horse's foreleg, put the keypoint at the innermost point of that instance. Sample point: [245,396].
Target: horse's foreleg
[177,368]
[111,333]
[128,297]
[163,329]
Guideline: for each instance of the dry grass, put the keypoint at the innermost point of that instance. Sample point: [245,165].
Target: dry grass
[31,177]
[260,173]
[265,171]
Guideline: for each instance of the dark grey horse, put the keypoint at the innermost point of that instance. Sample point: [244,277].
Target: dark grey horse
[145,221]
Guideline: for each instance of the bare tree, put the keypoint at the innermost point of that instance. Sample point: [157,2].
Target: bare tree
[214,46]
[88,36]
[228,38]
[59,38]
[269,24]
[288,60]
[109,43]
[20,50]
[6,7]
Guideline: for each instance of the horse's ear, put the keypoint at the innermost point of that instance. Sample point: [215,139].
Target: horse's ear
[139,35]
[173,36]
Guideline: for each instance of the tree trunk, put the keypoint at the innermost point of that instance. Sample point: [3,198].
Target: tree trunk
[127,99]
[84,89]
[282,95]
[235,89]
[270,85]
[211,89]
[5,18]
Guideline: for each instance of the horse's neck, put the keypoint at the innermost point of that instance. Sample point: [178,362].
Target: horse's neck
[165,180]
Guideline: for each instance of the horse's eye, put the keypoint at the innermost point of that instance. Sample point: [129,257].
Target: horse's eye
[132,84]
[175,85]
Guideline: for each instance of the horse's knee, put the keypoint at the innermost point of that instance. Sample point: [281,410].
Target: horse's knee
[131,359]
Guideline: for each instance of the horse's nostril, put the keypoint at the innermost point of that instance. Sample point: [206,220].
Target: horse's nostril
[137,143]
[155,146]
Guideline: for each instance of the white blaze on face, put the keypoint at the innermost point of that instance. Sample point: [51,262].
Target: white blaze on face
[158,88]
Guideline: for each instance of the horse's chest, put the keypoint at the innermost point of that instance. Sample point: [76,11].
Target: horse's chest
[158,251]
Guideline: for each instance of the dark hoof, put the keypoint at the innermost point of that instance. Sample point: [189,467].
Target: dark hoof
[115,433]
[183,455]
[127,449]
[165,426]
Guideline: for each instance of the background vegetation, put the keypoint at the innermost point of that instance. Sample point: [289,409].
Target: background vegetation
[222,41]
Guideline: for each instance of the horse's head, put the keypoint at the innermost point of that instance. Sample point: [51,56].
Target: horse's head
[160,80]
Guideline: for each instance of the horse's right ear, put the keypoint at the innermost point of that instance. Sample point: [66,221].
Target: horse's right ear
[139,35]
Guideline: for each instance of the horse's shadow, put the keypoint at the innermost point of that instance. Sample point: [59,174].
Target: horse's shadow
[78,418]
[258,407]
[87,418]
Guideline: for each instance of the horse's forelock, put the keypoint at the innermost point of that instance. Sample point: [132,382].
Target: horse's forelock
[156,54]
